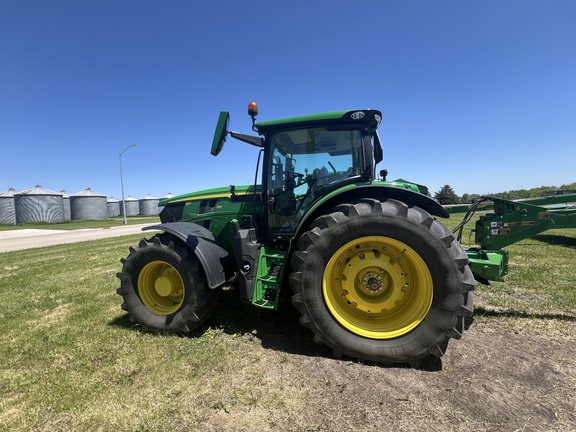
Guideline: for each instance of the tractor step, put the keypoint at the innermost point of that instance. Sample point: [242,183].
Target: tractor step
[267,287]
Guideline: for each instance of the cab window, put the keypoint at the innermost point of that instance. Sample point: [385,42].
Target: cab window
[303,163]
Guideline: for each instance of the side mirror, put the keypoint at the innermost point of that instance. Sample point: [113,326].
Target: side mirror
[221,133]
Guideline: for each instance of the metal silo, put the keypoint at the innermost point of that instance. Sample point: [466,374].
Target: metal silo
[113,207]
[66,203]
[132,207]
[88,205]
[148,205]
[169,195]
[39,205]
[7,207]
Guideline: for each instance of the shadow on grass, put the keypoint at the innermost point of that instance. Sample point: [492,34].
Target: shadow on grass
[276,330]
[122,321]
[281,331]
[554,240]
[480,311]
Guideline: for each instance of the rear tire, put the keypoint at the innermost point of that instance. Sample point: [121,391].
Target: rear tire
[164,287]
[381,281]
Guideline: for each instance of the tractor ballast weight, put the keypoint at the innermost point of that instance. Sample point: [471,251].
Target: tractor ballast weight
[373,273]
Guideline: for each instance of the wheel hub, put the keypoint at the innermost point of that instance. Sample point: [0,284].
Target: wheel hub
[372,283]
[377,287]
[167,284]
[161,288]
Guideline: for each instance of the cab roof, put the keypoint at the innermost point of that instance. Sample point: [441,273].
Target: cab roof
[366,118]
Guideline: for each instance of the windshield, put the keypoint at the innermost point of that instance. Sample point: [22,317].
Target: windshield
[303,164]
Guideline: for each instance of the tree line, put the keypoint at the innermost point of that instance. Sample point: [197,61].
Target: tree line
[446,194]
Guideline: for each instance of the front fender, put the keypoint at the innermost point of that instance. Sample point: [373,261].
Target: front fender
[214,259]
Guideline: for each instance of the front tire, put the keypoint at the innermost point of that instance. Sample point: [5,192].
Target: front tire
[164,287]
[381,281]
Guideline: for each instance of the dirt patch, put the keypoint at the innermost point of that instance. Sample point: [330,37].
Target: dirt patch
[508,373]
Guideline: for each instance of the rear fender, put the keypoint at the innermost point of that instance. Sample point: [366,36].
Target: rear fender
[376,191]
[214,259]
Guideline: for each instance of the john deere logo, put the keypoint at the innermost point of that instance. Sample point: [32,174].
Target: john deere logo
[357,115]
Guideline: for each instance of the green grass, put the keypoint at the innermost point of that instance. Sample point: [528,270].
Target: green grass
[71,360]
[81,224]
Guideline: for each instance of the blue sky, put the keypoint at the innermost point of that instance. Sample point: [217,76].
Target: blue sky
[480,95]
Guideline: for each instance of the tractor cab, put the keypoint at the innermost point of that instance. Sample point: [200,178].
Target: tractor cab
[307,157]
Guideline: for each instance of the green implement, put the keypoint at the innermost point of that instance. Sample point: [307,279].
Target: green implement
[511,222]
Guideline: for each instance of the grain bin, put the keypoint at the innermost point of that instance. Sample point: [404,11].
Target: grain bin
[113,207]
[132,207]
[88,205]
[39,205]
[148,205]
[7,207]
[169,195]
[66,203]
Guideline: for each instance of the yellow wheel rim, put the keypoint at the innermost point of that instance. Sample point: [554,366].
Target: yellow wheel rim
[161,288]
[377,287]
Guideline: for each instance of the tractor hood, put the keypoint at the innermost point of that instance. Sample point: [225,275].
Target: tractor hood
[207,194]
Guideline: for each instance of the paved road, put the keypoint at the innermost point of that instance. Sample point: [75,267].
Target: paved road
[13,240]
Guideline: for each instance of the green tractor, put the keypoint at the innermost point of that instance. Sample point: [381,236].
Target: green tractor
[374,275]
